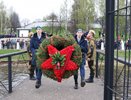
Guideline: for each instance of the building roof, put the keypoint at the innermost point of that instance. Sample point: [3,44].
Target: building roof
[23,28]
[42,24]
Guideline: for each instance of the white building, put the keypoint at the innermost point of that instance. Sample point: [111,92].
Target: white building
[23,32]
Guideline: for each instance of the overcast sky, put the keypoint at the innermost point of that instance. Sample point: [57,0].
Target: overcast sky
[35,9]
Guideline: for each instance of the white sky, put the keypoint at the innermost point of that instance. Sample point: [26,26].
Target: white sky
[35,9]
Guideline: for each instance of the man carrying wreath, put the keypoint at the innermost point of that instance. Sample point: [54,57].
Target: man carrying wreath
[35,42]
[80,39]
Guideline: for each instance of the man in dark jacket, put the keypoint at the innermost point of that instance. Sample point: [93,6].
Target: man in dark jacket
[34,45]
[83,44]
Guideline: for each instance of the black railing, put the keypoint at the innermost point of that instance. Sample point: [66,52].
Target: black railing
[109,50]
[117,70]
[9,56]
[98,53]
[119,85]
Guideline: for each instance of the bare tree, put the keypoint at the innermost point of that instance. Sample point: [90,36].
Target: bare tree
[62,17]
[3,18]
[25,22]
[14,19]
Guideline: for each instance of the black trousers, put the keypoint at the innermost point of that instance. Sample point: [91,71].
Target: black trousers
[91,64]
[31,69]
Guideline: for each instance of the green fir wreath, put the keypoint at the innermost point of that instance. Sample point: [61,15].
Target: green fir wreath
[59,42]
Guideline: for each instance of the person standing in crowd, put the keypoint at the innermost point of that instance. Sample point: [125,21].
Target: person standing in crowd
[35,42]
[91,54]
[22,44]
[83,45]
[3,44]
[8,43]
[31,68]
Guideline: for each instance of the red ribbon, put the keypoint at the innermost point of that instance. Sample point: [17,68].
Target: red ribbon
[68,64]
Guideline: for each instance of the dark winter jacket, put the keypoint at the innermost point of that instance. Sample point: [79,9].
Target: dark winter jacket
[83,44]
[34,45]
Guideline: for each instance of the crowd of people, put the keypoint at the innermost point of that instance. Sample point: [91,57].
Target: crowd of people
[11,43]
[7,35]
[86,42]
[119,43]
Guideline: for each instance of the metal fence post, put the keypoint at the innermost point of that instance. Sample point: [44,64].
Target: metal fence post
[109,51]
[97,57]
[10,74]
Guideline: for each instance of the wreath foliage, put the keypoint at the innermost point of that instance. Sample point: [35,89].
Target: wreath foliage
[59,42]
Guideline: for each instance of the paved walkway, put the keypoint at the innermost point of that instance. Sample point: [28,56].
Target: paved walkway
[52,90]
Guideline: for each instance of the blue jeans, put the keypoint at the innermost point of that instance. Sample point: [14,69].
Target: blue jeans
[82,66]
[38,73]
[82,70]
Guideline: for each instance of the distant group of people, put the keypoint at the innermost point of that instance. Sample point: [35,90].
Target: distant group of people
[12,43]
[86,42]
[7,35]
[98,43]
[120,44]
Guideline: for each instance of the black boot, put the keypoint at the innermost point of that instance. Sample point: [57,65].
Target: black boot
[38,84]
[32,77]
[76,81]
[90,80]
[82,83]
[76,86]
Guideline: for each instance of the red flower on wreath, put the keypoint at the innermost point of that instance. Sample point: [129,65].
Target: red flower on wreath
[68,64]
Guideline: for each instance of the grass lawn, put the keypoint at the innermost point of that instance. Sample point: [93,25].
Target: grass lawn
[14,58]
[122,53]
[6,51]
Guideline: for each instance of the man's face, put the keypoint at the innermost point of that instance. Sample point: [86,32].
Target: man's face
[89,36]
[79,34]
[39,31]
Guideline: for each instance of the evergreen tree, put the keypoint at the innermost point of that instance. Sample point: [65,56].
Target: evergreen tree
[14,19]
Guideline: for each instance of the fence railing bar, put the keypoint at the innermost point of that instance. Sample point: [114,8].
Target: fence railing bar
[9,56]
[119,9]
[12,54]
[97,54]
[121,86]
[119,59]
[10,74]
[123,15]
[117,25]
[119,75]
[125,93]
[3,86]
[116,93]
